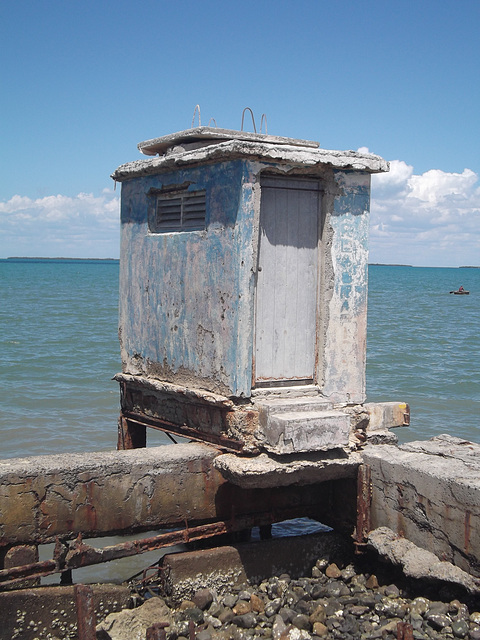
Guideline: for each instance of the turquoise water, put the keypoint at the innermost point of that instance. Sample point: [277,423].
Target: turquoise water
[59,350]
[423,347]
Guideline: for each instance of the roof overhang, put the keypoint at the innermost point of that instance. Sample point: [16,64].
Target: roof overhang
[206,145]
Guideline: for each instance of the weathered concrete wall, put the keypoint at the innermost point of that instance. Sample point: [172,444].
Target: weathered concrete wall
[99,494]
[51,612]
[429,493]
[344,356]
[186,299]
[221,567]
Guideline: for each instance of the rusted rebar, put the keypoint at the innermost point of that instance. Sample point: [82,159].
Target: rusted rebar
[157,631]
[86,620]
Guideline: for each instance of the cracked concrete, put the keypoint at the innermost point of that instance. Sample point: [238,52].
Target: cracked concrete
[429,493]
[418,563]
[101,493]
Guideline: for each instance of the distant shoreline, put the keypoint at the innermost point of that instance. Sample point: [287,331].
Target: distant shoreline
[117,260]
[38,259]
[385,264]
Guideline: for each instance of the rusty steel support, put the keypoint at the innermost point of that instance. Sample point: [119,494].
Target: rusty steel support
[404,631]
[364,506]
[139,420]
[86,620]
[157,631]
[80,554]
[131,435]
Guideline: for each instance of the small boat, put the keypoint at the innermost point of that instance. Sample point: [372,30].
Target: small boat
[461,293]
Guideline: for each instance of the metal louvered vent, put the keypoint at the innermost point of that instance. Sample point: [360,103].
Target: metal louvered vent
[181,212]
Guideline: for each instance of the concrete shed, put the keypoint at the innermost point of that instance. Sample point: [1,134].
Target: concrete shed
[243,290]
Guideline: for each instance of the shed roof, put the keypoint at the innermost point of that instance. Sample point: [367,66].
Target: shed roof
[202,136]
[204,144]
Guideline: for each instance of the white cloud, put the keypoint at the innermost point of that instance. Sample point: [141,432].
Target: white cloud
[80,226]
[431,219]
[427,219]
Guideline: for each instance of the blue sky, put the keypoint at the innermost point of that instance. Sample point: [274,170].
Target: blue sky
[82,83]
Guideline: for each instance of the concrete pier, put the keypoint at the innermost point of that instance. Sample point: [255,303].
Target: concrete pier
[168,487]
[429,493]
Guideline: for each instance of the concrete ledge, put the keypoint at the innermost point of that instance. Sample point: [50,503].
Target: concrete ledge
[386,415]
[123,492]
[429,493]
[221,567]
[266,471]
[105,493]
[50,612]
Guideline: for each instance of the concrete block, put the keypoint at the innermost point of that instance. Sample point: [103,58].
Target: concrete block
[221,567]
[264,471]
[386,415]
[50,612]
[299,431]
[429,492]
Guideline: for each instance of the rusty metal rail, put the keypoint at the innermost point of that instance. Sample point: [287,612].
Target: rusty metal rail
[78,554]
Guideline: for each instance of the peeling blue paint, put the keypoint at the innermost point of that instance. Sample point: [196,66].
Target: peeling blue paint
[187,303]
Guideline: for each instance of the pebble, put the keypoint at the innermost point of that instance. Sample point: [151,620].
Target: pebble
[336,602]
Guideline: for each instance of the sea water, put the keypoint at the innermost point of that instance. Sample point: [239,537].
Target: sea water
[59,352]
[423,348]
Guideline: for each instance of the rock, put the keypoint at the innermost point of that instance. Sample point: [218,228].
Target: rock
[372,582]
[245,621]
[392,591]
[287,614]
[194,614]
[132,624]
[420,606]
[226,615]
[358,610]
[230,600]
[278,628]
[301,621]
[272,607]
[257,603]
[332,571]
[438,621]
[460,628]
[203,598]
[319,629]
[242,607]
[348,573]
[318,615]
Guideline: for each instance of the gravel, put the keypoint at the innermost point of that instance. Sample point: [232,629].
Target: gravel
[334,602]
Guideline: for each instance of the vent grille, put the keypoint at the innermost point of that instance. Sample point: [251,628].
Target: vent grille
[185,212]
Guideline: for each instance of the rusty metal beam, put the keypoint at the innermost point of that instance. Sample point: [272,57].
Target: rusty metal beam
[80,554]
[139,419]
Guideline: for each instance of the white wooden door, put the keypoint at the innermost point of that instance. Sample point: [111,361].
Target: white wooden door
[287,280]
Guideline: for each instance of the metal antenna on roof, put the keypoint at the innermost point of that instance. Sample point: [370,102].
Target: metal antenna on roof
[253,119]
[197,107]
[214,122]
[264,118]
